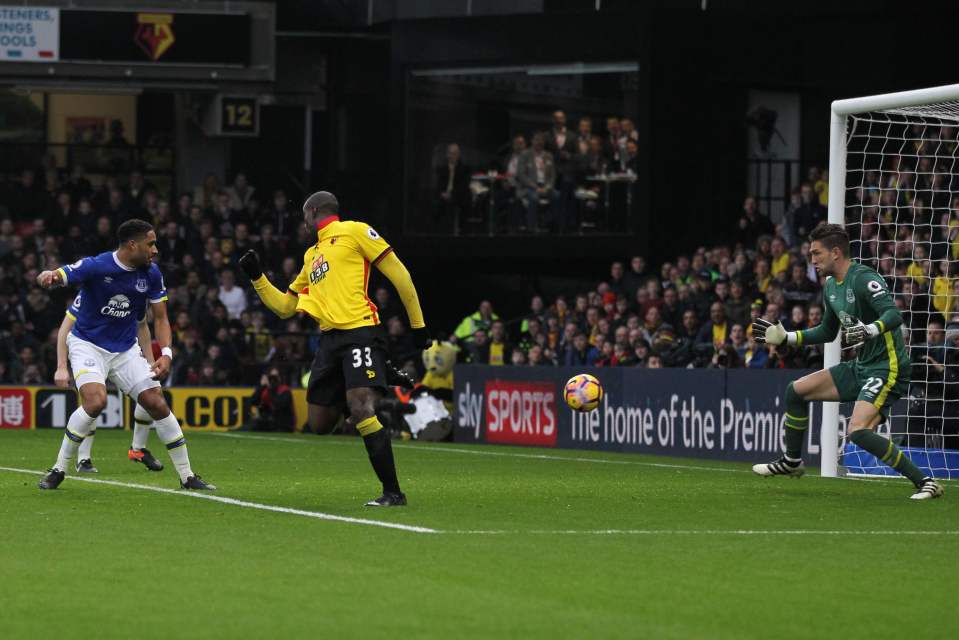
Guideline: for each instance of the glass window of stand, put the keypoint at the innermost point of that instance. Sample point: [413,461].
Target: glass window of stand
[522,150]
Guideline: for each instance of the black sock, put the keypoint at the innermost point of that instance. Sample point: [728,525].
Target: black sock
[381,457]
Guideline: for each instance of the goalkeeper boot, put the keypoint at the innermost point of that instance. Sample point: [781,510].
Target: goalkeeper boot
[52,480]
[780,467]
[389,499]
[927,490]
[198,484]
[86,466]
[397,377]
[146,458]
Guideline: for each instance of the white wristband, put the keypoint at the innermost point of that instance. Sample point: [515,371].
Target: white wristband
[167,351]
[873,330]
[791,338]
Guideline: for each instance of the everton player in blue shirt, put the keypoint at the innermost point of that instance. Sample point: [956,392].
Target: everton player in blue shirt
[115,288]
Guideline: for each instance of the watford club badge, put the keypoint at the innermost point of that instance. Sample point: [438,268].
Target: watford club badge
[154,33]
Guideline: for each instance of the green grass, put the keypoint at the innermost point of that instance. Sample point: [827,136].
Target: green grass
[106,561]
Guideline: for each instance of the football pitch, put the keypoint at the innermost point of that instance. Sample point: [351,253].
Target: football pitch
[496,542]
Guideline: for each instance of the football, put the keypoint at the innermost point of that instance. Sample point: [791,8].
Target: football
[583,392]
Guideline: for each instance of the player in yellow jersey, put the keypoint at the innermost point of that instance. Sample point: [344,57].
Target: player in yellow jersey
[350,368]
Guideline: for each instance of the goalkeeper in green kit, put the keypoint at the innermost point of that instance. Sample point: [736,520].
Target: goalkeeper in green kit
[857,302]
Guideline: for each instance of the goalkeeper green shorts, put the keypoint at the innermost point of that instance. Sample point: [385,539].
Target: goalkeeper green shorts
[877,385]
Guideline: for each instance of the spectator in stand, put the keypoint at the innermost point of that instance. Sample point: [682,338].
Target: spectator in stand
[581,353]
[810,213]
[613,149]
[285,220]
[240,193]
[399,343]
[631,159]
[584,130]
[797,318]
[763,276]
[232,296]
[690,327]
[654,362]
[478,348]
[274,402]
[452,187]
[737,304]
[505,195]
[206,193]
[518,358]
[170,244]
[27,199]
[482,318]
[737,339]
[536,357]
[561,143]
[716,330]
[779,258]
[137,188]
[752,223]
[536,180]
[104,240]
[799,288]
[788,226]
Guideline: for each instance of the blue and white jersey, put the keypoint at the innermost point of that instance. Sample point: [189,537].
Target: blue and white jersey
[112,298]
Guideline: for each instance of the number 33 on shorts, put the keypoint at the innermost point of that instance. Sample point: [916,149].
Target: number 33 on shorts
[362,358]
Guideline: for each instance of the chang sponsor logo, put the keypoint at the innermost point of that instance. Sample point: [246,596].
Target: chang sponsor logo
[117,307]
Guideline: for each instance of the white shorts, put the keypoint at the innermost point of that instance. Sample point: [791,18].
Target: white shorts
[128,370]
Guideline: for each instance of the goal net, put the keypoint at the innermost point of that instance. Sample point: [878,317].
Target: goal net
[899,162]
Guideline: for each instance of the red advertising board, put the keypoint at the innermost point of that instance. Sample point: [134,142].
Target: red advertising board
[15,409]
[521,412]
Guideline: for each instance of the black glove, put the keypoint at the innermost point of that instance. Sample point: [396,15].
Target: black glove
[250,263]
[398,378]
[422,338]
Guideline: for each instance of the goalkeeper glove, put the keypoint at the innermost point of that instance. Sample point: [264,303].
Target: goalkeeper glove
[765,331]
[250,263]
[855,333]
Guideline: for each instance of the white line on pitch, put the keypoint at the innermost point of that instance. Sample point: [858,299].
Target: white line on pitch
[241,503]
[498,454]
[543,456]
[694,532]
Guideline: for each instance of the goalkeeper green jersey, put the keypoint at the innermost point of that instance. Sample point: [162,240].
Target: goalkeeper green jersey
[862,295]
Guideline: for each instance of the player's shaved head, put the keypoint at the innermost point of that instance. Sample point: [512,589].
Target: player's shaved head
[322,202]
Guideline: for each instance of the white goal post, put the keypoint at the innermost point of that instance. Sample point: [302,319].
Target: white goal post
[909,131]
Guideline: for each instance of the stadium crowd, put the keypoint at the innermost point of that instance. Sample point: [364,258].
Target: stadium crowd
[697,310]
[692,311]
[221,333]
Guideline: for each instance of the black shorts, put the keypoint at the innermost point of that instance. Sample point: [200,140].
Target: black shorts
[346,359]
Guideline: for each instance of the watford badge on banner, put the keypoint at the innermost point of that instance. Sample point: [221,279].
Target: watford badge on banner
[154,33]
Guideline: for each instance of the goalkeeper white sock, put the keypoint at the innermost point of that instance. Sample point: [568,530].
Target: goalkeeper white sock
[78,426]
[170,434]
[141,427]
[85,450]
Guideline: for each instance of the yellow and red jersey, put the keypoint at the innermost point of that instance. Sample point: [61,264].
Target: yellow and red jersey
[332,285]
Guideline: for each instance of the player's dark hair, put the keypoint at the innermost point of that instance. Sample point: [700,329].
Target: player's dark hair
[831,236]
[133,230]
